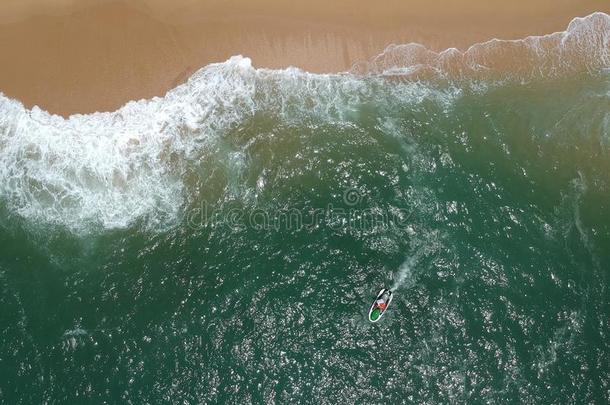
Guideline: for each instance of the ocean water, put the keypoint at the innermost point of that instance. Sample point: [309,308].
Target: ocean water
[222,244]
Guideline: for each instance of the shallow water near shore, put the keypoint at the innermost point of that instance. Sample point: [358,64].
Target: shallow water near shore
[224,243]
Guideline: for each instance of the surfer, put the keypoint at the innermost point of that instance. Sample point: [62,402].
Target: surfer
[380,303]
[379,306]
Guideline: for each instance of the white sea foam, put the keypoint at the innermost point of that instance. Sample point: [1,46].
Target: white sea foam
[583,46]
[111,169]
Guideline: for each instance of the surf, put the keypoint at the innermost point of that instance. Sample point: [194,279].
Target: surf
[111,170]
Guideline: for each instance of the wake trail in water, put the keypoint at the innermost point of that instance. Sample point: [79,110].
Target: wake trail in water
[404,276]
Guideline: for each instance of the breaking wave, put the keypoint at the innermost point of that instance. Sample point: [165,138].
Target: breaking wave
[112,169]
[583,46]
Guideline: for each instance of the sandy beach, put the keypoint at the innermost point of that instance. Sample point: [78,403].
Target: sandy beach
[83,56]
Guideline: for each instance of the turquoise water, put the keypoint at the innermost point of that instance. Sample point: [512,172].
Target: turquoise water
[224,243]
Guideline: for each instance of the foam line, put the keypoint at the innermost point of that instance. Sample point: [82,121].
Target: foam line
[111,169]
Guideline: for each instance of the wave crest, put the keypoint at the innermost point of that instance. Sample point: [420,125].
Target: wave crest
[111,169]
[583,47]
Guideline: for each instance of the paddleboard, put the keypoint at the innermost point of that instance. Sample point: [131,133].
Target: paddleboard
[375,314]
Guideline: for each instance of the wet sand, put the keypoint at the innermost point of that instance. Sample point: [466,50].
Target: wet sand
[69,56]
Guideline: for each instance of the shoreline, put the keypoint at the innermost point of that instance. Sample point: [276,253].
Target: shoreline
[81,58]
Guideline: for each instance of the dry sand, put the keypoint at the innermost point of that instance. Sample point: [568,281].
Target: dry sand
[79,56]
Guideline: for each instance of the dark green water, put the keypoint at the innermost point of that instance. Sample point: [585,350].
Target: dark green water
[485,206]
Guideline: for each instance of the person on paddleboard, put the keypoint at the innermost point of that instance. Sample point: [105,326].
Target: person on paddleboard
[380,303]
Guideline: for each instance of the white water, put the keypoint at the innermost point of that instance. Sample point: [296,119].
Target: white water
[112,169]
[583,46]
